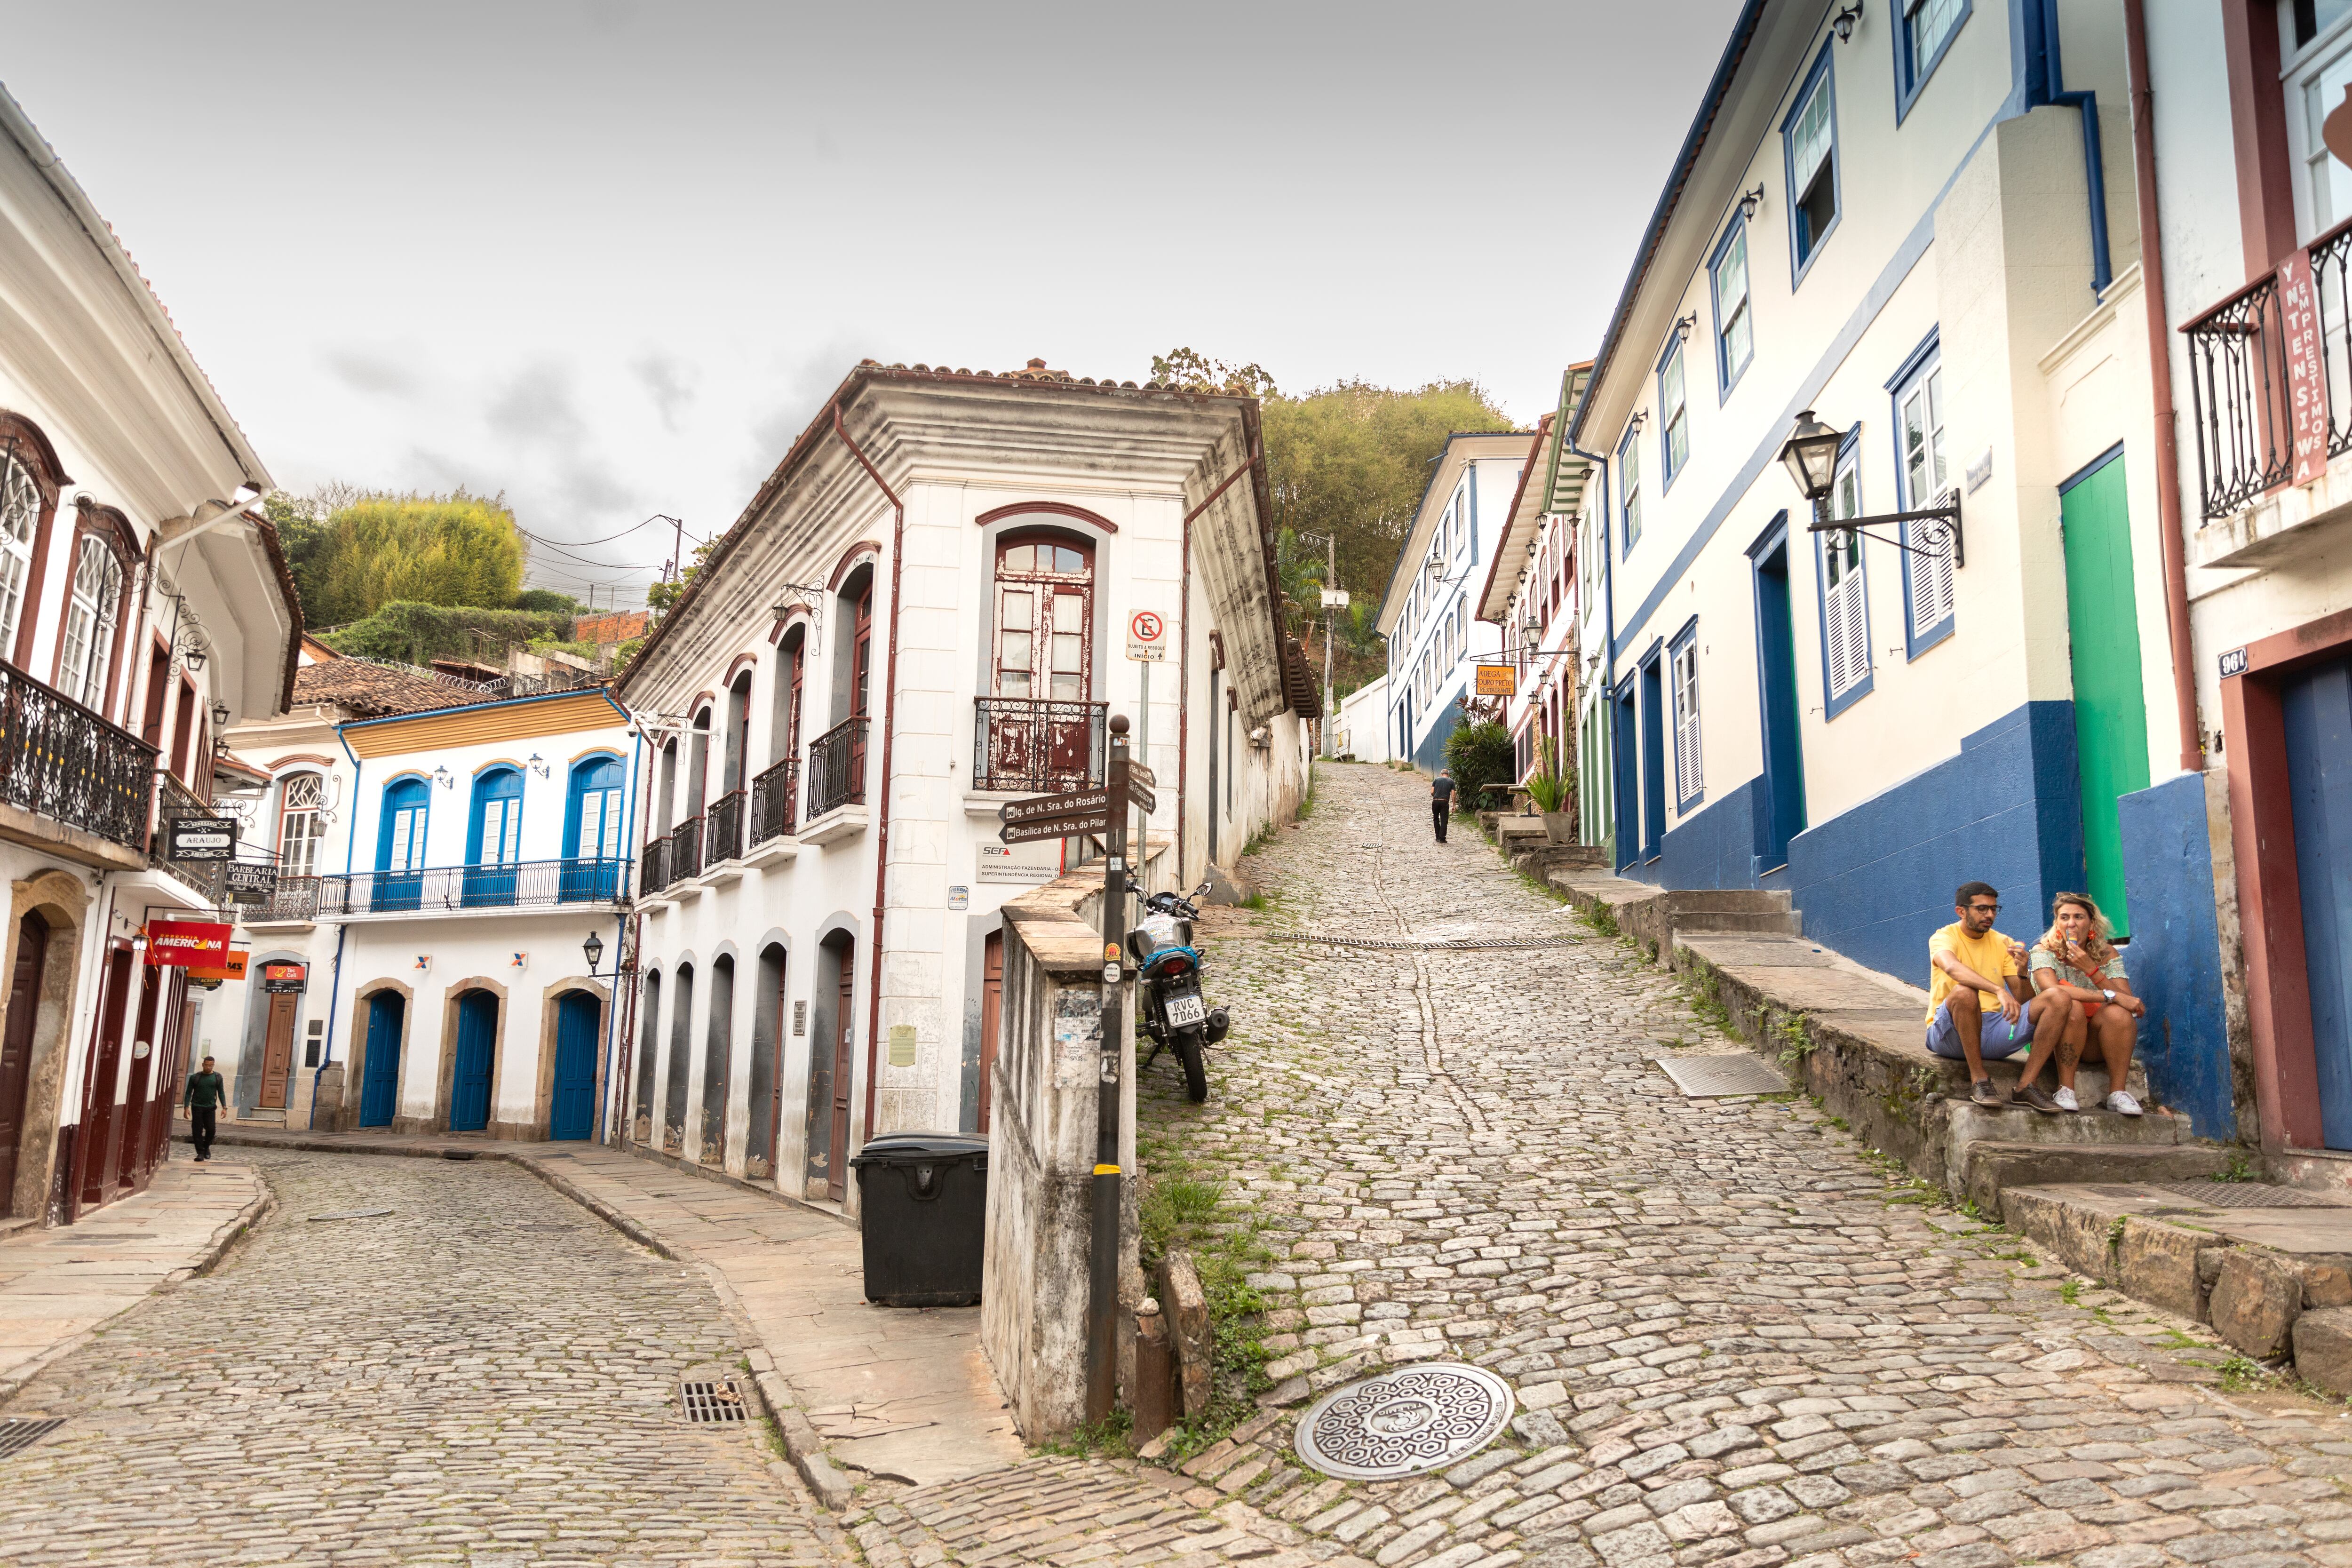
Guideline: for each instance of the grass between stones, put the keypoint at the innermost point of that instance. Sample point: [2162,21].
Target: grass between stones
[1186,1208]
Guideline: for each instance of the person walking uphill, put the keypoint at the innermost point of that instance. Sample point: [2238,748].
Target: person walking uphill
[204,1096]
[1441,801]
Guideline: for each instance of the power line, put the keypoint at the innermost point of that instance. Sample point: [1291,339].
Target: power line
[583,544]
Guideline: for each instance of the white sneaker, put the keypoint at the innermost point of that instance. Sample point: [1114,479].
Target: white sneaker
[2123,1104]
[2065,1098]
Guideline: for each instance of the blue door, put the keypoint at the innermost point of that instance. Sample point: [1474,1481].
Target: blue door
[494,837]
[592,832]
[574,1113]
[470,1098]
[400,844]
[1653,759]
[2316,709]
[380,1086]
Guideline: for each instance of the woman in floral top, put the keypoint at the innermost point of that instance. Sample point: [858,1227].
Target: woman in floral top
[2078,957]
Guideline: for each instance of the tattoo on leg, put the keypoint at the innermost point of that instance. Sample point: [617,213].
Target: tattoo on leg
[2069,1052]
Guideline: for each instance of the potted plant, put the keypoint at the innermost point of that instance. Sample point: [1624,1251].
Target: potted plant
[1548,787]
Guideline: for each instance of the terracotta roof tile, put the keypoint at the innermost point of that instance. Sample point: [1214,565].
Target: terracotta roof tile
[369,690]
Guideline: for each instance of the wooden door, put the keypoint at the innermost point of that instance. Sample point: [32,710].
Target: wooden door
[380,1078]
[573,1113]
[2316,714]
[1043,647]
[991,1006]
[97,1117]
[2110,709]
[278,1050]
[146,1048]
[17,1043]
[469,1090]
[783,1015]
[836,1158]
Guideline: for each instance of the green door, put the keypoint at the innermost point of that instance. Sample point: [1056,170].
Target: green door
[2110,711]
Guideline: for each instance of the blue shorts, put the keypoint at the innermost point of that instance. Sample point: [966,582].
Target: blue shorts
[1998,1038]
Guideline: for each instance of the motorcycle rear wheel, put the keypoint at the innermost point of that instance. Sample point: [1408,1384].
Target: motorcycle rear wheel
[1196,1072]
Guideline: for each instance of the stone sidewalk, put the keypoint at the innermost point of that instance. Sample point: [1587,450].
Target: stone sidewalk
[58,1285]
[900,1394]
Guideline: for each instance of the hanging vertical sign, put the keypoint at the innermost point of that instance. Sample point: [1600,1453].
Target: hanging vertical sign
[2306,371]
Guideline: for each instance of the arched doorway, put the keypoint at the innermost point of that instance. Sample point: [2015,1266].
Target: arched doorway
[469,1085]
[681,1046]
[592,830]
[641,1116]
[830,1063]
[717,1063]
[573,1114]
[16,1043]
[764,1096]
[380,1073]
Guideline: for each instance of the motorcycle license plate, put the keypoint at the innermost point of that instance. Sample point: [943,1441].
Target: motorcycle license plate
[1185,1009]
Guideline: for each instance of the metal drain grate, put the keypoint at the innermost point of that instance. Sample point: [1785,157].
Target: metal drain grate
[2250,1195]
[1458,943]
[16,1436]
[350,1214]
[711,1404]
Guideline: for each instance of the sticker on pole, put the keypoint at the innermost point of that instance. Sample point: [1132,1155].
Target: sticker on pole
[1147,636]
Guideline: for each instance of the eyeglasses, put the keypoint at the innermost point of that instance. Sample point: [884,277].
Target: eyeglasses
[1984,908]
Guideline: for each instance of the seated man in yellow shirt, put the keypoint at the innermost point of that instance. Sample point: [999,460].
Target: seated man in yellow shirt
[1980,1005]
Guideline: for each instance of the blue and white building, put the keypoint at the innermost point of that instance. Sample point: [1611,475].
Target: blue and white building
[1430,611]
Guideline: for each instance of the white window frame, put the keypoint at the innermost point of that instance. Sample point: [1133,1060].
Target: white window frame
[1690,772]
[1929,589]
[20,531]
[1847,669]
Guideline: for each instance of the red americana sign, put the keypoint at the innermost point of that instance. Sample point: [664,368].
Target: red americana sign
[190,944]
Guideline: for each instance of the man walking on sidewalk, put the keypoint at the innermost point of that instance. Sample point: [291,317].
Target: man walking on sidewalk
[205,1092]
[1441,801]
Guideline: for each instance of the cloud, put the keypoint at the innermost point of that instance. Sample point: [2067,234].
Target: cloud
[671,382]
[536,407]
[801,391]
[372,371]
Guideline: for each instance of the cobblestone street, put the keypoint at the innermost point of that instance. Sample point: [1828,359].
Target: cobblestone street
[1736,1337]
[485,1374]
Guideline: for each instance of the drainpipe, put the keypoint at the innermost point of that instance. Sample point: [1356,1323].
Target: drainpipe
[2159,373]
[882,820]
[343,929]
[2053,90]
[623,992]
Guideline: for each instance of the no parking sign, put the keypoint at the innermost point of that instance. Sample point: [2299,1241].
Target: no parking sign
[1147,636]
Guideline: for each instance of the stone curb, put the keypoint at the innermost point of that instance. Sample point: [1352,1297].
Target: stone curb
[225,1238]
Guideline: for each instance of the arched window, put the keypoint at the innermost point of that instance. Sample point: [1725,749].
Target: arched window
[400,843]
[21,503]
[494,835]
[1044,617]
[592,830]
[301,822]
[86,652]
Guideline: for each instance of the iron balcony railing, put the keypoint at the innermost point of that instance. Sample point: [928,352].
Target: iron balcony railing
[2269,366]
[722,834]
[516,885]
[60,760]
[294,898]
[836,767]
[653,871]
[177,802]
[686,850]
[773,794]
[1022,744]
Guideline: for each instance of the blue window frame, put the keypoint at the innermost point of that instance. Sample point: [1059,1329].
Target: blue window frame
[1809,148]
[1674,413]
[494,835]
[1842,581]
[1628,488]
[592,829]
[400,843]
[1922,33]
[1735,318]
[1682,675]
[1922,476]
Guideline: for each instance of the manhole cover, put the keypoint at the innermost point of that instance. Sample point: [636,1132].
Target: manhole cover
[710,1404]
[350,1214]
[1706,1078]
[16,1436]
[2250,1195]
[1404,1423]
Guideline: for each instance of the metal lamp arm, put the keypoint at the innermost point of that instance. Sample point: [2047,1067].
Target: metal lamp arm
[1948,514]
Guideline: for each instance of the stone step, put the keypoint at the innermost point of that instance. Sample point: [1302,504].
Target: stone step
[1681,902]
[1776,922]
[1993,1166]
[262,1118]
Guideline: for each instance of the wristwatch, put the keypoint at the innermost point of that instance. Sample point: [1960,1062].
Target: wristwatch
[2108,995]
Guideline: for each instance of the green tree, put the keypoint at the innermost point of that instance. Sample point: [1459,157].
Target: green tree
[661,596]
[376,549]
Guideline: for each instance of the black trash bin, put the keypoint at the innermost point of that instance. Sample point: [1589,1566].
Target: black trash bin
[923,1201]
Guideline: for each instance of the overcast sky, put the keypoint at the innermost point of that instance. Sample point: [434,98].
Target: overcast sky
[608,256]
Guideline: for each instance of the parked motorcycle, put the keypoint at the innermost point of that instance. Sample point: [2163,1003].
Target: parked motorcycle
[1174,1013]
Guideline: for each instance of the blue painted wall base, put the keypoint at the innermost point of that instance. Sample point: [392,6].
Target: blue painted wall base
[2175,952]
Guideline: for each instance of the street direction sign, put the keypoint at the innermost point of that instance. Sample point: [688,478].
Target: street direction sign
[1094,801]
[1054,826]
[1137,773]
[1145,801]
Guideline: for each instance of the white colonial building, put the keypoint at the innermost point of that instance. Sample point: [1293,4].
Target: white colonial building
[142,610]
[1429,612]
[925,612]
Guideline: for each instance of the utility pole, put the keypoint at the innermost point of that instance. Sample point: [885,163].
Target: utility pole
[1335,598]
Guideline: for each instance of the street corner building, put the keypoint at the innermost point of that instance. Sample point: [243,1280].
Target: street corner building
[143,611]
[928,610]
[1924,239]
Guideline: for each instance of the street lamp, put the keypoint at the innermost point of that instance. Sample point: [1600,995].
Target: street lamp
[594,949]
[220,715]
[1810,455]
